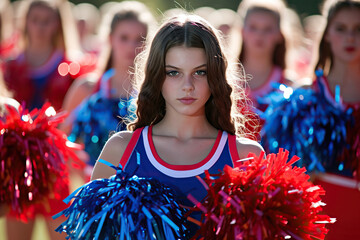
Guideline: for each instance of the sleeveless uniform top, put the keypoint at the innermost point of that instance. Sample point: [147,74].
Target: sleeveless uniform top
[36,85]
[321,84]
[342,186]
[181,178]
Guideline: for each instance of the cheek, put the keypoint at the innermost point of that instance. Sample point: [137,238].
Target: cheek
[274,38]
[205,90]
[53,28]
[248,34]
[333,37]
[167,90]
[119,47]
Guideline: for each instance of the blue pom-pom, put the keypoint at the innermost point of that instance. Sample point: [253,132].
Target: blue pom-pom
[97,117]
[308,126]
[123,207]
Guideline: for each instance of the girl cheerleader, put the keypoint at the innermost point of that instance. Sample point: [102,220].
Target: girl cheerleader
[108,99]
[186,120]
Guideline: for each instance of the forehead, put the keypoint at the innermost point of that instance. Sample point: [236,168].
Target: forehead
[185,57]
[347,16]
[41,10]
[261,16]
[130,26]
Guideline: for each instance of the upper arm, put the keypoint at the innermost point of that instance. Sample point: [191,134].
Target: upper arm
[245,146]
[79,90]
[112,153]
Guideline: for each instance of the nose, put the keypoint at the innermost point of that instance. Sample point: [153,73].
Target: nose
[188,84]
[351,35]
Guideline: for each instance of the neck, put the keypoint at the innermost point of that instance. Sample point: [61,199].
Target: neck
[121,82]
[254,63]
[39,48]
[185,127]
[259,67]
[37,55]
[343,73]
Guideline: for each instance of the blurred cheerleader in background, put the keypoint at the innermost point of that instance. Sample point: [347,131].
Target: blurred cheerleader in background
[87,18]
[321,124]
[264,46]
[48,50]
[106,95]
[338,80]
[42,72]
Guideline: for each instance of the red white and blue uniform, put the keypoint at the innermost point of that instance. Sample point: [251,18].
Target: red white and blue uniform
[181,178]
[342,187]
[36,85]
[276,76]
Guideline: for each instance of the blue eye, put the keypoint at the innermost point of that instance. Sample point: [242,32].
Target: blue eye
[172,73]
[200,73]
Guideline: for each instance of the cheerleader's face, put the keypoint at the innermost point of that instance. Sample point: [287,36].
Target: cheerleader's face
[185,89]
[42,25]
[127,41]
[261,33]
[343,35]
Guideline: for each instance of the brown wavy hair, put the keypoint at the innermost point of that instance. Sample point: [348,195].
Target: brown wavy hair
[188,31]
[329,10]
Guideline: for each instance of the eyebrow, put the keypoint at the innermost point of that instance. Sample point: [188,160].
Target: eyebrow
[170,66]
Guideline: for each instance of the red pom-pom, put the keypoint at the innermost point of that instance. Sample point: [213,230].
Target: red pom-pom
[32,159]
[263,199]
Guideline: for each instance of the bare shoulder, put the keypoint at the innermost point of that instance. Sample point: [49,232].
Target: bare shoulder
[87,82]
[79,90]
[246,146]
[112,153]
[117,143]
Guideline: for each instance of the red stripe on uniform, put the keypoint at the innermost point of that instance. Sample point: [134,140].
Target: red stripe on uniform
[233,149]
[130,147]
[182,167]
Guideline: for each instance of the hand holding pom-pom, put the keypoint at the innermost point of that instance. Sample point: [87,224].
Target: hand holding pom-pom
[123,207]
[264,199]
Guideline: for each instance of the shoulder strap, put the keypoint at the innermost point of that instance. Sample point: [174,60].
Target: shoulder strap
[130,147]
[233,149]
